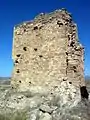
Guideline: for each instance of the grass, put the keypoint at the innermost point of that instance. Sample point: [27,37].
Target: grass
[21,115]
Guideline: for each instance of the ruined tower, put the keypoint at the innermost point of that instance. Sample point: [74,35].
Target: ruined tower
[46,51]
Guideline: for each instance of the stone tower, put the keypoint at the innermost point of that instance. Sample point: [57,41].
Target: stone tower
[46,51]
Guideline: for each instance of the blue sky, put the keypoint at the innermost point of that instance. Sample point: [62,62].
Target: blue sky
[13,12]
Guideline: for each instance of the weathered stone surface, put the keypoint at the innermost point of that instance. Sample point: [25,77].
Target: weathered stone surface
[45,50]
[45,116]
[48,78]
[46,108]
[42,107]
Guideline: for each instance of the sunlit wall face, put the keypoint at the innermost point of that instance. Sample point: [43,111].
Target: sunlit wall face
[14,12]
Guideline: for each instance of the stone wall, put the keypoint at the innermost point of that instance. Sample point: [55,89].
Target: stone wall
[46,52]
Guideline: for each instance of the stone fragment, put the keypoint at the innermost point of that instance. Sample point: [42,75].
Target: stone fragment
[45,116]
[45,109]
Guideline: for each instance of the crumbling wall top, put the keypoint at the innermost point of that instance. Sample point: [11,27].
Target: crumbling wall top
[44,18]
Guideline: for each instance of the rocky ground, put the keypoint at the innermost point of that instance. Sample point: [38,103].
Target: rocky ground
[26,106]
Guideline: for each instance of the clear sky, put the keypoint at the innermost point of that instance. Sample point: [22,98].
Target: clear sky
[13,12]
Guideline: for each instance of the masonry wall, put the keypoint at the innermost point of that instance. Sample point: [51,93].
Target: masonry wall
[46,51]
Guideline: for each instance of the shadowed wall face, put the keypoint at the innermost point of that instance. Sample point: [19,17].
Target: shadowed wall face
[46,51]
